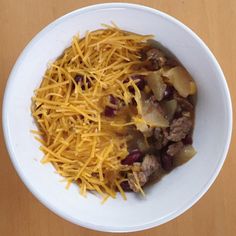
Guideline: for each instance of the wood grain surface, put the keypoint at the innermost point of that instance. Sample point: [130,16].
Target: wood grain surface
[215,214]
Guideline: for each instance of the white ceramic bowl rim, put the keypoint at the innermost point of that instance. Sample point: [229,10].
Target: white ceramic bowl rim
[41,196]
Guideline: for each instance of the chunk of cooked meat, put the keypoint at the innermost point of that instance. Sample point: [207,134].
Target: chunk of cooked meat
[179,128]
[162,61]
[142,178]
[134,156]
[158,134]
[156,58]
[174,148]
[161,138]
[136,166]
[149,166]
[168,94]
[166,162]
[171,62]
[157,105]
[155,54]
[152,115]
[152,65]
[148,132]
[125,186]
[186,113]
[183,102]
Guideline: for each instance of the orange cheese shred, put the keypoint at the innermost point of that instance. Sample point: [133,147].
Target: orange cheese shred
[75,136]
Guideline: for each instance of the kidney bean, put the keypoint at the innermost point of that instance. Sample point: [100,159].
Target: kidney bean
[131,89]
[80,79]
[134,156]
[143,55]
[178,114]
[126,80]
[125,186]
[168,94]
[133,102]
[188,140]
[141,81]
[109,112]
[81,117]
[113,100]
[88,84]
[171,62]
[153,65]
[166,162]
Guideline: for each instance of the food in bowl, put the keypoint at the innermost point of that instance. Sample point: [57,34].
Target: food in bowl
[115,112]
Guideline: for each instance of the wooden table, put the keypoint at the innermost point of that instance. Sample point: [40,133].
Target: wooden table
[215,214]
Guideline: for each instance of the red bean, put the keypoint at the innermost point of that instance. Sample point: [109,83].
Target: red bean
[188,140]
[113,100]
[153,65]
[133,102]
[140,83]
[125,186]
[166,162]
[134,156]
[126,80]
[131,89]
[177,114]
[171,62]
[88,84]
[168,94]
[80,79]
[109,112]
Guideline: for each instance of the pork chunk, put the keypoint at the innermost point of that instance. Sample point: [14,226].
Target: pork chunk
[179,128]
[174,148]
[149,166]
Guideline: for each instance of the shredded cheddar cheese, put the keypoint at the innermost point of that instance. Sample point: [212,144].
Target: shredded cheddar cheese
[84,145]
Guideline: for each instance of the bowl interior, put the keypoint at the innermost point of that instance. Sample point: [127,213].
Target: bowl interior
[175,192]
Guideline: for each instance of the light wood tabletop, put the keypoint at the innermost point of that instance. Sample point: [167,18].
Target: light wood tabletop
[214,21]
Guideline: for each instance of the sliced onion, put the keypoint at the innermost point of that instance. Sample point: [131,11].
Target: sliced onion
[181,80]
[142,127]
[155,119]
[152,116]
[170,108]
[184,155]
[156,84]
[142,145]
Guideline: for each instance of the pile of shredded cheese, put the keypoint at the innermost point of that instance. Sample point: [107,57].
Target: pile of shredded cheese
[84,145]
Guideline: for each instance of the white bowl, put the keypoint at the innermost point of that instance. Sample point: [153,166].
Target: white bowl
[177,191]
